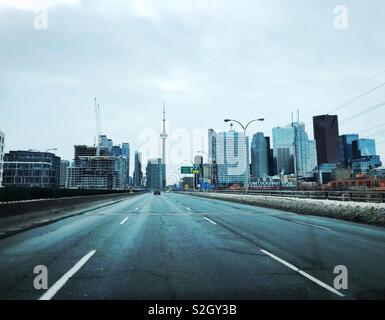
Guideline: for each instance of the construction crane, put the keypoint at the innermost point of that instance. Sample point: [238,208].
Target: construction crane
[98,128]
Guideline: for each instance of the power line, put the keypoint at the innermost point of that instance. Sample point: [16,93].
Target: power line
[375,127]
[360,86]
[375,134]
[377,106]
[357,98]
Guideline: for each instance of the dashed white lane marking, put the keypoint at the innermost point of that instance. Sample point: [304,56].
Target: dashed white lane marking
[136,209]
[124,220]
[303,273]
[312,225]
[51,292]
[210,220]
[188,208]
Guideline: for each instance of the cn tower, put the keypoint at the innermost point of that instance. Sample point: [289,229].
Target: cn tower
[164,135]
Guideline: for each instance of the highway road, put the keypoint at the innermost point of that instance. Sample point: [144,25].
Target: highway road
[177,246]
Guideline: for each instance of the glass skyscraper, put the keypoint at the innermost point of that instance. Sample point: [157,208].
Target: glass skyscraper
[301,146]
[283,149]
[311,158]
[138,174]
[364,147]
[229,153]
[259,157]
[346,149]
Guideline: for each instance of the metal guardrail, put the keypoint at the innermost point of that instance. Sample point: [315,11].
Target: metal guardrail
[359,196]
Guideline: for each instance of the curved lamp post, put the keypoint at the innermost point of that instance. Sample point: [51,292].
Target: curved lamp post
[244,127]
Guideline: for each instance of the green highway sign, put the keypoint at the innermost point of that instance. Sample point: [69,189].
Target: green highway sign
[186,170]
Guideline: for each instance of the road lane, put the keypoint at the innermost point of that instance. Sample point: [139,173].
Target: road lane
[57,246]
[165,251]
[314,244]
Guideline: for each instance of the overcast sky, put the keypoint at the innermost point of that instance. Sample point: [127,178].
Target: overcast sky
[207,59]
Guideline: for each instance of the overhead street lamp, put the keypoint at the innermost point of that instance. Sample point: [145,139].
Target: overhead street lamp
[244,127]
[41,163]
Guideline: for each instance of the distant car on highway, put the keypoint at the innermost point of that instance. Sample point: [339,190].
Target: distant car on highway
[157,193]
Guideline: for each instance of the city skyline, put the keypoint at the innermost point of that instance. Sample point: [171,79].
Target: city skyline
[271,74]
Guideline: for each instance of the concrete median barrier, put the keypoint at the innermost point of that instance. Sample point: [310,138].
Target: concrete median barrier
[57,204]
[368,213]
[20,216]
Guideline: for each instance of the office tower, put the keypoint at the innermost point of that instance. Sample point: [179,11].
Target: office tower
[300,146]
[230,154]
[155,173]
[106,143]
[326,135]
[365,164]
[212,145]
[270,157]
[64,164]
[363,147]
[116,151]
[346,149]
[126,154]
[365,158]
[283,149]
[31,169]
[259,157]
[311,158]
[2,143]
[138,174]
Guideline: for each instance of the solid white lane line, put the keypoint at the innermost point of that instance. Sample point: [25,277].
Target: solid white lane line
[125,219]
[312,225]
[320,283]
[210,220]
[51,292]
[303,273]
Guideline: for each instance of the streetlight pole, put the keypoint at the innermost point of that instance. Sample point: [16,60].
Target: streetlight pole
[192,163]
[244,127]
[41,163]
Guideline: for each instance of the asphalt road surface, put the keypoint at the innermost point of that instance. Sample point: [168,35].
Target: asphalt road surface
[176,246]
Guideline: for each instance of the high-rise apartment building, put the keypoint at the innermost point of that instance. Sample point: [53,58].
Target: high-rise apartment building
[138,174]
[156,174]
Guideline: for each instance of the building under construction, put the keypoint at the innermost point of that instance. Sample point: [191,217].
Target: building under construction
[104,172]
